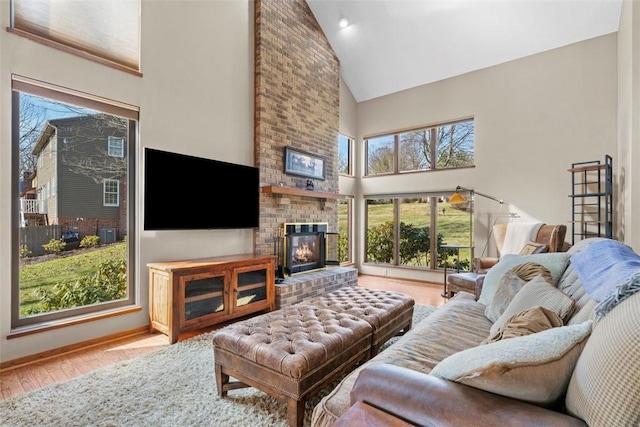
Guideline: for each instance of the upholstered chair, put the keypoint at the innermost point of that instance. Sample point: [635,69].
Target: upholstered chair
[550,235]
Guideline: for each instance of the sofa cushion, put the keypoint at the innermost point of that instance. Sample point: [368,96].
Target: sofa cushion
[457,325]
[555,262]
[533,248]
[527,322]
[605,386]
[537,292]
[534,368]
[510,283]
[508,286]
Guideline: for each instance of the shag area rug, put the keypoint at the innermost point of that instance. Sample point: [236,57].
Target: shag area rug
[174,386]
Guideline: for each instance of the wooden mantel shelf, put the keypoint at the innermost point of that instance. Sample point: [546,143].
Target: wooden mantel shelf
[276,189]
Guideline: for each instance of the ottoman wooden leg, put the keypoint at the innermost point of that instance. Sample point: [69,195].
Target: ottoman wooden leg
[295,412]
[222,380]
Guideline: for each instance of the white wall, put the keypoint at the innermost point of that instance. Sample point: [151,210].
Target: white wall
[627,206]
[533,118]
[195,97]
[349,127]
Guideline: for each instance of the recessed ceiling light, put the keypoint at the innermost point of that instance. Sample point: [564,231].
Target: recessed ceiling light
[344,22]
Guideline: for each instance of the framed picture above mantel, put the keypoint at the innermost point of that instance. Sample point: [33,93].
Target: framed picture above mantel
[301,163]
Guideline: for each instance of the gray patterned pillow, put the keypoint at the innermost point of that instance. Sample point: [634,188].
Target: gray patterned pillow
[510,283]
[508,286]
[537,292]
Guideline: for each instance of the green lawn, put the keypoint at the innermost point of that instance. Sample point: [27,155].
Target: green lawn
[65,268]
[453,223]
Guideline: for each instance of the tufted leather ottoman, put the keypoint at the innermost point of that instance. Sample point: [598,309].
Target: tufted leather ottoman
[388,312]
[290,353]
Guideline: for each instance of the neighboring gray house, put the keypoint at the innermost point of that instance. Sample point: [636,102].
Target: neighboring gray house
[80,177]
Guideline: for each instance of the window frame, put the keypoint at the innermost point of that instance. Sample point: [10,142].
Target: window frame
[68,317]
[397,219]
[106,194]
[115,146]
[396,149]
[350,229]
[350,143]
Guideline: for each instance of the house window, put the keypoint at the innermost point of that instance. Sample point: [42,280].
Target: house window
[115,146]
[111,192]
[83,184]
[380,154]
[410,230]
[345,230]
[107,32]
[345,150]
[445,146]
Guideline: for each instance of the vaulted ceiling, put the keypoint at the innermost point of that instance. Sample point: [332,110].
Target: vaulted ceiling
[392,45]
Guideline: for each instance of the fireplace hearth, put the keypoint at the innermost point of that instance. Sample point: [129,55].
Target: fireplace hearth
[304,247]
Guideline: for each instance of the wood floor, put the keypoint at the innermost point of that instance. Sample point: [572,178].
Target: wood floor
[17,380]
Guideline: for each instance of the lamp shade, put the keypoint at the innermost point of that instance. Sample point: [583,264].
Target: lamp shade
[457,198]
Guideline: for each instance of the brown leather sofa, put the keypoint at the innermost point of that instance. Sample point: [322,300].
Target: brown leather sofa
[426,400]
[550,235]
[603,380]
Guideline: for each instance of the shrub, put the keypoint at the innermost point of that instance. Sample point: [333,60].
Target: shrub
[54,246]
[343,247]
[89,241]
[24,251]
[108,283]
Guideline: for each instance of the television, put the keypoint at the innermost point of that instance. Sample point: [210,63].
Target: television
[183,192]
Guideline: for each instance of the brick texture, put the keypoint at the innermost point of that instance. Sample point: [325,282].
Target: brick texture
[294,289]
[297,77]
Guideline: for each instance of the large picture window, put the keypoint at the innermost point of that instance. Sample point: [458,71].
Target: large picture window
[415,230]
[444,146]
[72,255]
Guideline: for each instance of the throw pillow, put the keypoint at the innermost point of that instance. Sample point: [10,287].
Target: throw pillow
[508,286]
[510,283]
[528,270]
[530,321]
[534,368]
[555,262]
[537,292]
[534,248]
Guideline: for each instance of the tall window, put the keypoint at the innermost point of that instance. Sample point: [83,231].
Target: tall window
[439,147]
[71,204]
[414,230]
[104,31]
[345,230]
[345,150]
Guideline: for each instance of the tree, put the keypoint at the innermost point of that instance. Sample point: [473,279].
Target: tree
[88,127]
[380,160]
[451,145]
[94,163]
[32,121]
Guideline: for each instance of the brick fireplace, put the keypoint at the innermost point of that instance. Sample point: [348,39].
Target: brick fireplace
[297,85]
[297,92]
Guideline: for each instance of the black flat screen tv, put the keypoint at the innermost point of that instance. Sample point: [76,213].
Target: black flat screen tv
[184,192]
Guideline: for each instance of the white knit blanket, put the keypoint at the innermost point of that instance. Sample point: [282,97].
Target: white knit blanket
[519,234]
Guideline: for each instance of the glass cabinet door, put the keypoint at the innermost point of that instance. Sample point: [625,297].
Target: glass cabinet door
[252,287]
[203,296]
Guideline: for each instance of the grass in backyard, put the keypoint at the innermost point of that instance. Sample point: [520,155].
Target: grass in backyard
[453,223]
[45,272]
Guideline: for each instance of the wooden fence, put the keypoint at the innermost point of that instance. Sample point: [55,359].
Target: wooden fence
[33,237]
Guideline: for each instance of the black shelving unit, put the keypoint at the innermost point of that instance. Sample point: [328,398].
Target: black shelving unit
[592,199]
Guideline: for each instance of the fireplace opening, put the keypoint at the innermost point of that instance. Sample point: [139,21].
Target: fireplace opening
[305,247]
